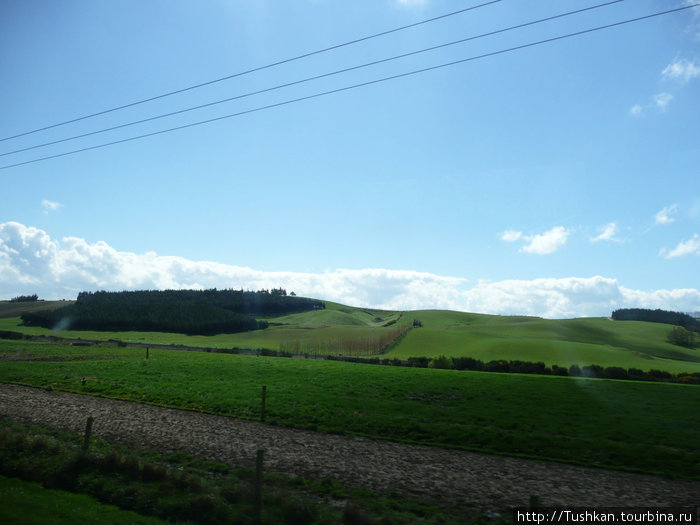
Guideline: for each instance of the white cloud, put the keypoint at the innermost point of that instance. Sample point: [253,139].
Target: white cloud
[50,206]
[636,110]
[689,247]
[547,242]
[607,233]
[667,215]
[26,253]
[683,70]
[511,235]
[662,100]
[31,262]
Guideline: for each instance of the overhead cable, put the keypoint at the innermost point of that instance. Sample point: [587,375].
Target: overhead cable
[309,79]
[355,86]
[260,68]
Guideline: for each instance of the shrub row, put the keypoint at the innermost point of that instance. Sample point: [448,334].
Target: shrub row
[528,367]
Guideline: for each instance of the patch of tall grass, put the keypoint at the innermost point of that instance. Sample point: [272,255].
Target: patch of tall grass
[374,342]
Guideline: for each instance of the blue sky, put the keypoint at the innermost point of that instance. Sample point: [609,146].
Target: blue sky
[557,180]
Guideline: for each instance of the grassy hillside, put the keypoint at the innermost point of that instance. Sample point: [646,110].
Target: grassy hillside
[564,342]
[15,309]
[652,427]
[330,327]
[339,314]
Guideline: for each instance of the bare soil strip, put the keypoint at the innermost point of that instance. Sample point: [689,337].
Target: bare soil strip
[453,477]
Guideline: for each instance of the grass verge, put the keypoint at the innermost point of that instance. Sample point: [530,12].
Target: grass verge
[177,488]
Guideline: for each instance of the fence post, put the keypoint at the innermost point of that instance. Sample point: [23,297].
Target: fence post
[146,353]
[88,432]
[258,485]
[262,410]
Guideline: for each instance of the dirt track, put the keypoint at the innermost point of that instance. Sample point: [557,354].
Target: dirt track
[490,482]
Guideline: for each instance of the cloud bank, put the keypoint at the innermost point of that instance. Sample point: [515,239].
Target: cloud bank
[32,262]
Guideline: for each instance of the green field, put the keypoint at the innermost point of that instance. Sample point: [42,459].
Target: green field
[341,329]
[649,427]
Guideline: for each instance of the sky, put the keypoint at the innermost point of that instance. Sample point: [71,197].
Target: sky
[558,179]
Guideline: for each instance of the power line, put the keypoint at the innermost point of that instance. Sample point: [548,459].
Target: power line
[256,69]
[355,86]
[309,79]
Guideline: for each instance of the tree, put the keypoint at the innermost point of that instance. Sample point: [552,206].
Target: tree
[575,370]
[681,337]
[441,362]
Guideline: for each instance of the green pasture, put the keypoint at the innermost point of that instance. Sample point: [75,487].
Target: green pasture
[628,344]
[641,426]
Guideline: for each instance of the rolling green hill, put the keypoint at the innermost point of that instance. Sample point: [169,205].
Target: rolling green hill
[338,315]
[341,329]
[564,341]
[15,309]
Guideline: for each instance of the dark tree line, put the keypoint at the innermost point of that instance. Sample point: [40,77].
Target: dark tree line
[201,312]
[527,367]
[657,316]
[25,298]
